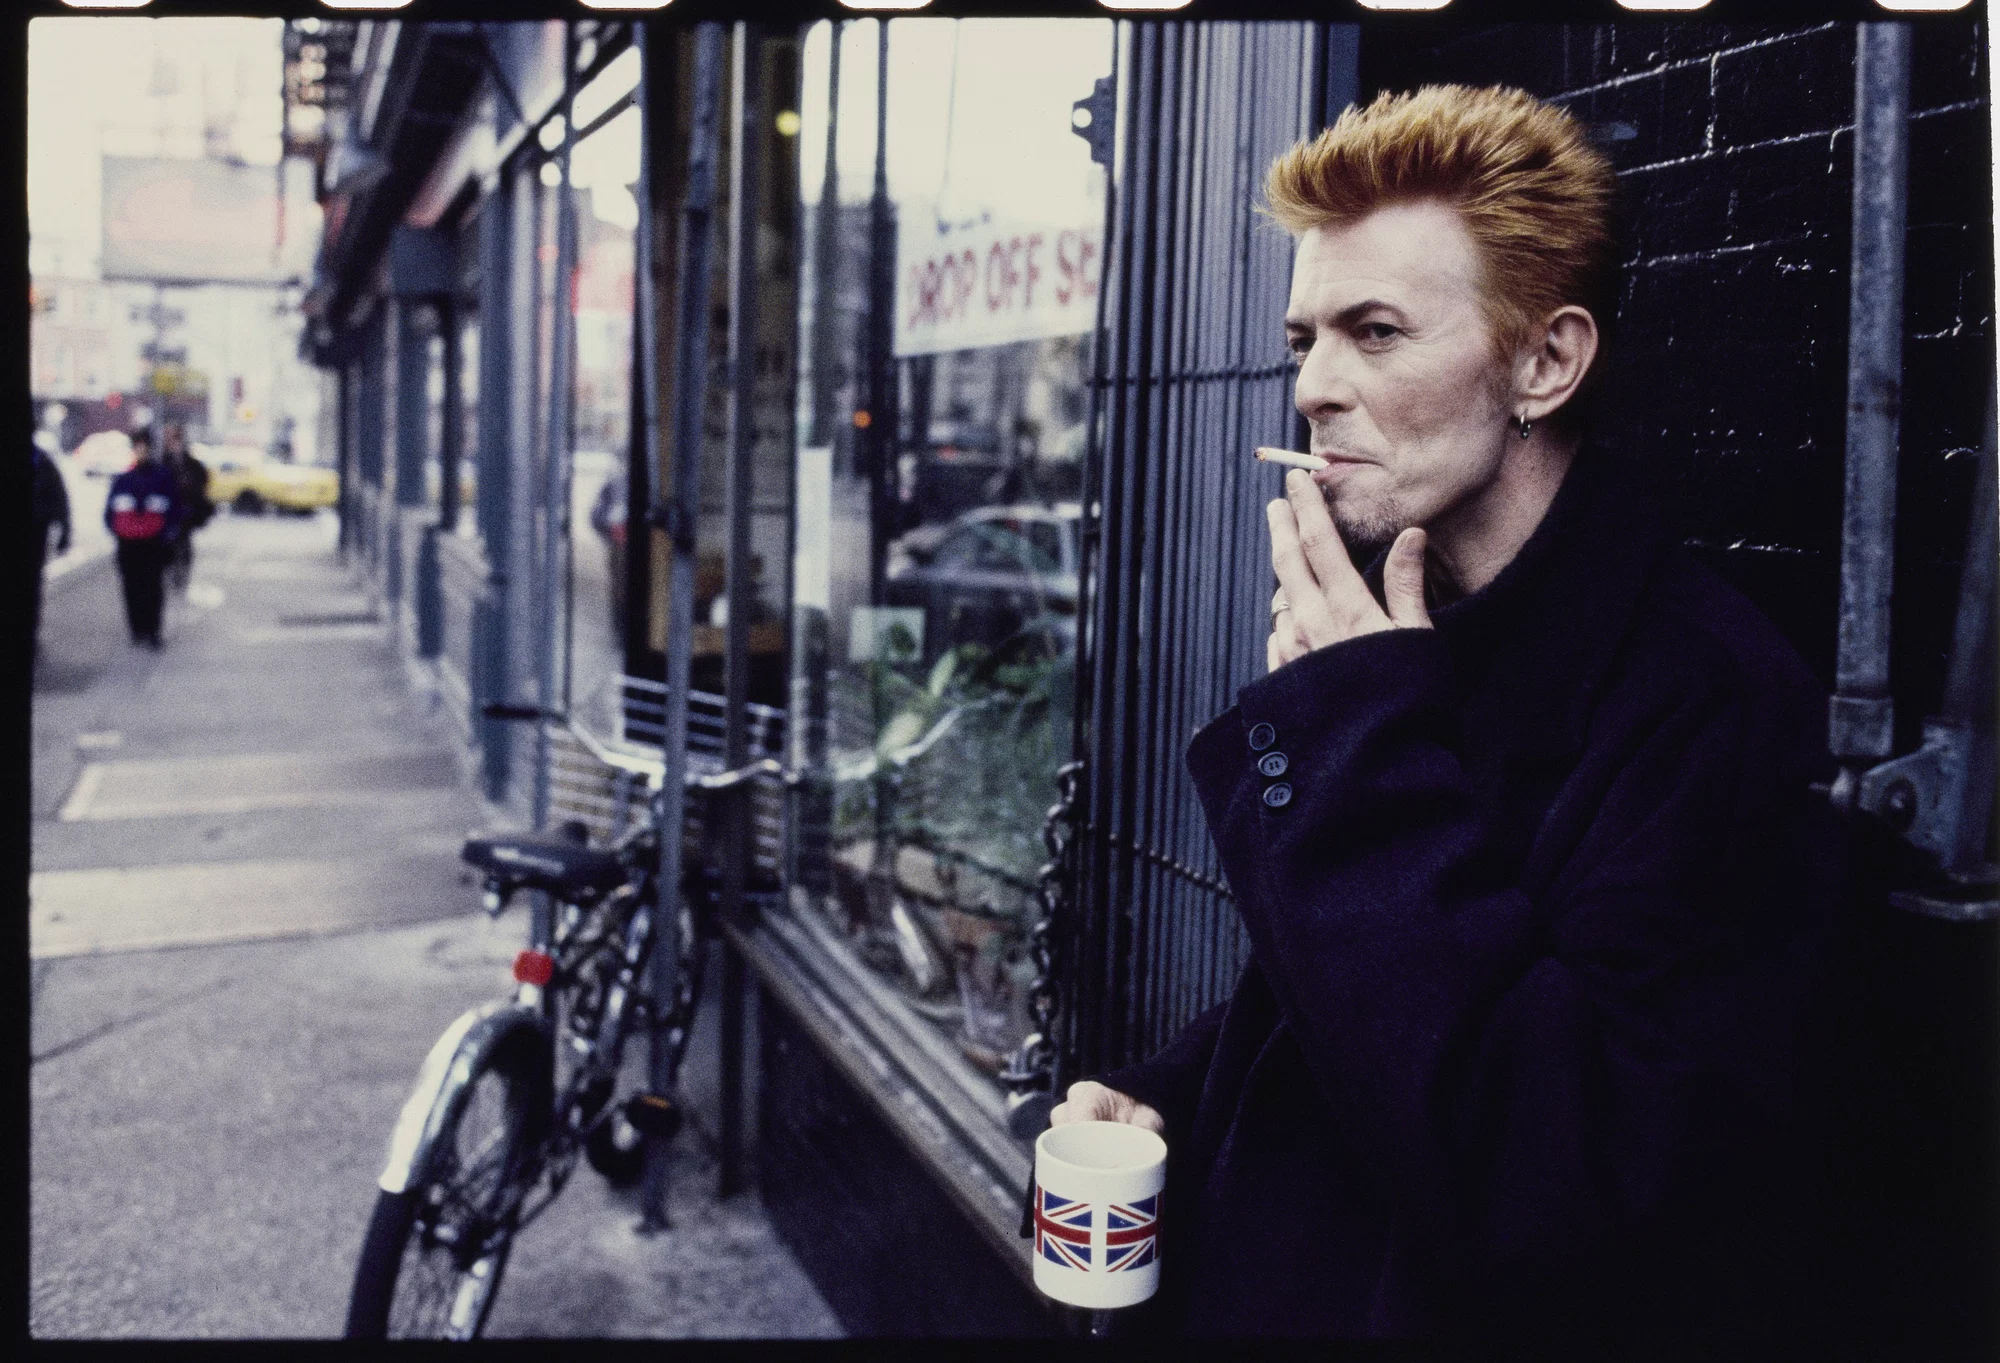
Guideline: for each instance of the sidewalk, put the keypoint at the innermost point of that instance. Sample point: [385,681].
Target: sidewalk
[247,927]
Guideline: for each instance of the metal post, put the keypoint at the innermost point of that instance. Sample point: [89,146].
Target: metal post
[880,435]
[1861,724]
[343,439]
[825,340]
[746,138]
[1968,688]
[877,441]
[677,514]
[451,435]
[555,469]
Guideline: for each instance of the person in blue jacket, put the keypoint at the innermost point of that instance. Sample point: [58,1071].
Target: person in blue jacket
[1519,823]
[143,510]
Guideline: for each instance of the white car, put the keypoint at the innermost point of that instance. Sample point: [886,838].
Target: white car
[104,455]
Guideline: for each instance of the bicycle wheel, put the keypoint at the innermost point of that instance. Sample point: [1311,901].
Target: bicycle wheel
[433,1255]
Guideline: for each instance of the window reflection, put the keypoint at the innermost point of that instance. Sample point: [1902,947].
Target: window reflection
[466,521]
[936,551]
[604,168]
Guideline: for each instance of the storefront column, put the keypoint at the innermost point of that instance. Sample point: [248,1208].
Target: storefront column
[372,433]
[412,375]
[552,617]
[498,327]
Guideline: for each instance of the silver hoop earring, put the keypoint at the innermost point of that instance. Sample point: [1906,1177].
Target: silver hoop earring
[1522,424]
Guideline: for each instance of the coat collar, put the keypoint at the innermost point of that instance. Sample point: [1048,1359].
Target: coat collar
[1531,649]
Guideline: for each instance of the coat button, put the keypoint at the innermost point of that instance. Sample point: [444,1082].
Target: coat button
[1262,736]
[1273,764]
[1278,796]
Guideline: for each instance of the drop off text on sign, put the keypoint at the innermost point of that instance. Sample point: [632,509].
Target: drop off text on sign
[994,283]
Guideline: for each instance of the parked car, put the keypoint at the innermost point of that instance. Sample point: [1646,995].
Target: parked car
[982,577]
[232,475]
[249,480]
[301,488]
[104,455]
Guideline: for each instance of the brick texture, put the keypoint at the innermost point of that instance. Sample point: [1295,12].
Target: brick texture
[1734,146]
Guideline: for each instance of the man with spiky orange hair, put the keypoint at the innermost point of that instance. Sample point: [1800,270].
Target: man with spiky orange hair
[1519,822]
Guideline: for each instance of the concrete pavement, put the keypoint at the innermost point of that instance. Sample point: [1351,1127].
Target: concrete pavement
[247,926]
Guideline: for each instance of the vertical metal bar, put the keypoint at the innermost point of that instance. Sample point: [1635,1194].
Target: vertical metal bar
[451,434]
[555,460]
[810,806]
[881,405]
[679,514]
[506,325]
[655,60]
[1862,721]
[343,438]
[745,167]
[879,442]
[825,340]
[639,439]
[1968,698]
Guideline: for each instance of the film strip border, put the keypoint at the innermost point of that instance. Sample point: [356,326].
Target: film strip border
[1575,11]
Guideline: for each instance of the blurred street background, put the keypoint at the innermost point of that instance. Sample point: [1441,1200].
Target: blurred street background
[248,921]
[248,926]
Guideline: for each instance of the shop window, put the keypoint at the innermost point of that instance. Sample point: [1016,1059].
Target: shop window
[462,517]
[934,570]
[467,521]
[604,169]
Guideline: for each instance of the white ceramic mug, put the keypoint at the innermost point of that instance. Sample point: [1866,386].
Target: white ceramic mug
[1097,1213]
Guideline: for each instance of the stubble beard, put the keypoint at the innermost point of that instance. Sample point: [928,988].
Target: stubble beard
[1369,528]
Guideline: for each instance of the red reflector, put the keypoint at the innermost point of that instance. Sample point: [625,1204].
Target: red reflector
[534,967]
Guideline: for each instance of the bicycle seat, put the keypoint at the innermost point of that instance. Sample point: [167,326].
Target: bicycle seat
[558,866]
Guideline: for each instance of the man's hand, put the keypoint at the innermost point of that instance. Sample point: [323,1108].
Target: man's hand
[1090,1101]
[1321,598]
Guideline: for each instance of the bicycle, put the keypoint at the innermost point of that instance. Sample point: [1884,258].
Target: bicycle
[492,1129]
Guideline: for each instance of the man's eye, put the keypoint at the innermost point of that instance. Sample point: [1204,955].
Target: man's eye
[1377,331]
[1297,348]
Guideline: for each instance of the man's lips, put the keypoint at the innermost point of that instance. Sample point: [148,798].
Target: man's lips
[1335,460]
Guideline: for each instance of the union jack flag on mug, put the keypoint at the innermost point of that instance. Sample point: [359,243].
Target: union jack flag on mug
[1131,1233]
[1062,1229]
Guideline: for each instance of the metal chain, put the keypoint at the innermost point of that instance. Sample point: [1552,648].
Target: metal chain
[1032,1068]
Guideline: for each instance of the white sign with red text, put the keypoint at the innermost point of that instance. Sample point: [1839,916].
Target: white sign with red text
[994,280]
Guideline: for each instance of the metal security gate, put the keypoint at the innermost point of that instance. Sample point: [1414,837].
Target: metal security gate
[1192,375]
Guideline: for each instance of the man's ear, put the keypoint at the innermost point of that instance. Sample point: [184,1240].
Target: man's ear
[1551,368]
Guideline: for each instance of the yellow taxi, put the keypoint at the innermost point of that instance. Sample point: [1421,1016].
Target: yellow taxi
[297,487]
[249,480]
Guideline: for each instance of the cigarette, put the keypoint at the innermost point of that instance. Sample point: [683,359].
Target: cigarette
[1291,459]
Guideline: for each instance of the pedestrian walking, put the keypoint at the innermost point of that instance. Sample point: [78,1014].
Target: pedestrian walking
[144,511]
[191,476]
[51,508]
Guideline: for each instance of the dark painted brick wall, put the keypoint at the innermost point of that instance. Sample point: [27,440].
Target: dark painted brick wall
[1734,147]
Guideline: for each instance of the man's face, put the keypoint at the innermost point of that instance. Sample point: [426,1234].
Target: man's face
[1397,370]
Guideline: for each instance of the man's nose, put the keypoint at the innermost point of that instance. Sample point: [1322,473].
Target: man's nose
[1325,386]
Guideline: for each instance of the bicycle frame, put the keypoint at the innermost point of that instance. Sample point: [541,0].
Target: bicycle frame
[455,1059]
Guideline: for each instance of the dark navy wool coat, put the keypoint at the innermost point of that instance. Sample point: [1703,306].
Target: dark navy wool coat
[1532,898]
